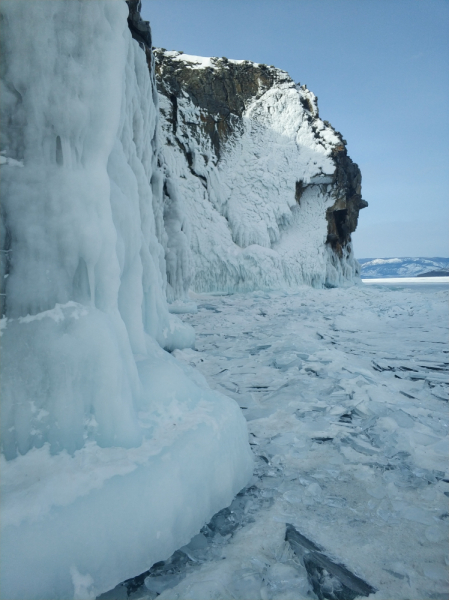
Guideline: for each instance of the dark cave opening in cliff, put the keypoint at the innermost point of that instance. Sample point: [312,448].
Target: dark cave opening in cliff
[340,217]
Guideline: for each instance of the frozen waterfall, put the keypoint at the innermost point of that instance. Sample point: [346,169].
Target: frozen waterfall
[114,454]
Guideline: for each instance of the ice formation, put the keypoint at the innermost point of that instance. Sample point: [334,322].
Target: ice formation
[259,189]
[114,454]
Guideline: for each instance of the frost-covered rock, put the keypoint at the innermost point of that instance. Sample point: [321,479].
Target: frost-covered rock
[259,187]
[114,454]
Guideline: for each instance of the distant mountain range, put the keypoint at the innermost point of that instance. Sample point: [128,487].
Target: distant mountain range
[373,268]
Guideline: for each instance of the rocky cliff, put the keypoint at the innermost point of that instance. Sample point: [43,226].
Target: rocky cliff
[264,191]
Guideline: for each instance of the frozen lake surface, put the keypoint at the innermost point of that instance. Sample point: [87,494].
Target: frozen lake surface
[346,396]
[417,284]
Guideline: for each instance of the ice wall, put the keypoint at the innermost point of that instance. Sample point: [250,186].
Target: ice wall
[85,383]
[80,120]
[266,192]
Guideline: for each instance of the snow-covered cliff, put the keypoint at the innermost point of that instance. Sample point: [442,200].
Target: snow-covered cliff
[258,187]
[114,454]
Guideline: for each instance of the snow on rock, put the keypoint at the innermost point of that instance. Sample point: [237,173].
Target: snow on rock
[261,190]
[114,453]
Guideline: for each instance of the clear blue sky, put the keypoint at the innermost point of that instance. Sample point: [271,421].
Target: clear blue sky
[380,69]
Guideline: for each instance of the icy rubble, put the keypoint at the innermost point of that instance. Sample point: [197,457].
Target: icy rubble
[104,434]
[261,190]
[345,392]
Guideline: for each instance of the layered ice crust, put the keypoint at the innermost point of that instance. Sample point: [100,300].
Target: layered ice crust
[107,440]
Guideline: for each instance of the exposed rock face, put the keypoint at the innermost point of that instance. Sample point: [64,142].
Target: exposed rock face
[230,125]
[140,29]
[343,216]
[222,93]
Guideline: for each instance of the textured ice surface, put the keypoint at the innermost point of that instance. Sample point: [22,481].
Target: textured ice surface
[114,454]
[345,393]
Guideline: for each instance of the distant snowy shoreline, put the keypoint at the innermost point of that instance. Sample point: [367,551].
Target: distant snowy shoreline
[413,280]
[380,268]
